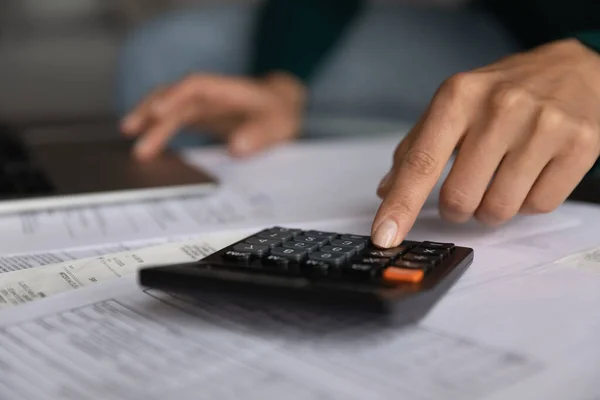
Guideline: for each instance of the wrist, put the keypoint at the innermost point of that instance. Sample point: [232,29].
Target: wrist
[583,58]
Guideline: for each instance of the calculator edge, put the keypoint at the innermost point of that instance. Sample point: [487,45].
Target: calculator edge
[414,305]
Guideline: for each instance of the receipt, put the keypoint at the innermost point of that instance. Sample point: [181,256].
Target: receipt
[17,262]
[28,285]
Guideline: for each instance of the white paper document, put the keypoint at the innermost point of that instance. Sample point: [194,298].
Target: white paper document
[117,341]
[548,315]
[111,225]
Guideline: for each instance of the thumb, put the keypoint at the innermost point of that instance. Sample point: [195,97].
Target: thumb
[252,137]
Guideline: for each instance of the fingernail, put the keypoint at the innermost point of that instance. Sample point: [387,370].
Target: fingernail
[385,234]
[386,179]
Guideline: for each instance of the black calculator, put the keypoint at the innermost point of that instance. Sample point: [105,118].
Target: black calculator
[325,268]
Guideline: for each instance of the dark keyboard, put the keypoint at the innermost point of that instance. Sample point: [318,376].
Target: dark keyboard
[19,176]
[320,265]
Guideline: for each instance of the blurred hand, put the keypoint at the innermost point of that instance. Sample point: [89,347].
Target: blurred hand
[250,114]
[527,130]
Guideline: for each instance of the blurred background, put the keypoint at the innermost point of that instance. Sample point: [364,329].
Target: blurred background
[57,57]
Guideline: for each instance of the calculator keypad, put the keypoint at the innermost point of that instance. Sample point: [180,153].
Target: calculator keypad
[318,255]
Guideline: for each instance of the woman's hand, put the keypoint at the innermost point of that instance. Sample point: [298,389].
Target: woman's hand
[527,130]
[250,114]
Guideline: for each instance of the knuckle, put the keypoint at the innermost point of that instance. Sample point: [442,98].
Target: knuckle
[457,201]
[586,137]
[511,97]
[419,162]
[551,118]
[458,85]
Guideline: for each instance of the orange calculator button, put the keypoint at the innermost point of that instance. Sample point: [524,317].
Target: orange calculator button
[402,275]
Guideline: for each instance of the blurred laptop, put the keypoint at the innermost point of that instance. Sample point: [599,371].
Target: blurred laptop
[82,165]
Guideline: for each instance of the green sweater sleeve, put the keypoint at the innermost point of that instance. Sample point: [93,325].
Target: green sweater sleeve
[589,38]
[295,35]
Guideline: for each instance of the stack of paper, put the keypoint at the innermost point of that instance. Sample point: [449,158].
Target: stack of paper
[520,324]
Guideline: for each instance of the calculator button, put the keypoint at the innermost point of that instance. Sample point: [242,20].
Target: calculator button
[277,260]
[310,247]
[327,235]
[421,258]
[375,261]
[320,241]
[348,251]
[237,256]
[291,254]
[318,269]
[263,241]
[411,264]
[358,271]
[279,229]
[437,245]
[391,253]
[395,275]
[281,236]
[255,249]
[355,237]
[424,251]
[329,258]
[357,244]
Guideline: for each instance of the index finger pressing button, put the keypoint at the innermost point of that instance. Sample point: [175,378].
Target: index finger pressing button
[391,253]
